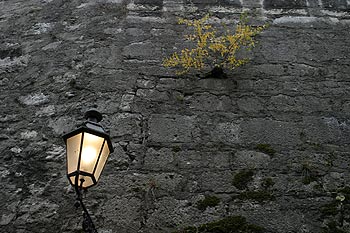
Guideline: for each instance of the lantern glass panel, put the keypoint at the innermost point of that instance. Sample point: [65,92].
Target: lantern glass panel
[87,180]
[102,161]
[73,150]
[90,151]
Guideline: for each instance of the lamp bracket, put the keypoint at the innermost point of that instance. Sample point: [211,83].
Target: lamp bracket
[88,224]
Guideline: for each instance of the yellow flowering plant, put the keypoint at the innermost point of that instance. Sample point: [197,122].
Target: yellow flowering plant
[211,49]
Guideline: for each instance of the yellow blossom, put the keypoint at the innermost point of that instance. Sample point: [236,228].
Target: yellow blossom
[212,49]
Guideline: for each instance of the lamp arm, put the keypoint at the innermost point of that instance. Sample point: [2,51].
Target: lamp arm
[88,225]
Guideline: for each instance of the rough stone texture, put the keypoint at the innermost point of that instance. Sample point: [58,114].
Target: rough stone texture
[176,139]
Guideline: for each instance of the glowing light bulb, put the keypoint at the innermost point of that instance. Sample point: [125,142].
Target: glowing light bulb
[88,156]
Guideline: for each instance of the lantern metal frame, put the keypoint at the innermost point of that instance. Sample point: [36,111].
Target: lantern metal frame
[93,128]
[90,126]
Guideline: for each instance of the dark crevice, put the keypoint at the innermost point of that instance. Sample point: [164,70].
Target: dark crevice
[11,53]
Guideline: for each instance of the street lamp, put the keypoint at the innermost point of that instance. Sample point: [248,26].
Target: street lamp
[88,148]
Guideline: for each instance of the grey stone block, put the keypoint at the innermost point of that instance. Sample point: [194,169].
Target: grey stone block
[326,130]
[251,160]
[117,205]
[227,133]
[208,102]
[61,125]
[235,3]
[124,125]
[193,160]
[284,4]
[336,4]
[34,99]
[151,94]
[172,128]
[149,2]
[158,160]
[258,131]
[251,104]
[142,50]
[126,102]
[219,182]
[306,104]
[171,212]
[107,82]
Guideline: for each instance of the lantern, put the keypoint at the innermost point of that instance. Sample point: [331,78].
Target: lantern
[88,148]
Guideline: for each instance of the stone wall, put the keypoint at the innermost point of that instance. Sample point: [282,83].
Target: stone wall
[271,141]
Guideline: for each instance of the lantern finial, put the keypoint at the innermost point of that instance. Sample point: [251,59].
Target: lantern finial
[93,115]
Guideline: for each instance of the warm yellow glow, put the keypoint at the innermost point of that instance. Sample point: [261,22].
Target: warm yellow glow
[103,159]
[88,156]
[73,150]
[86,147]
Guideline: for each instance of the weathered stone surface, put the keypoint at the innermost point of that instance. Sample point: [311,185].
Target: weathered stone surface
[207,102]
[175,158]
[227,133]
[336,4]
[141,50]
[235,3]
[258,131]
[326,130]
[203,160]
[61,125]
[6,219]
[159,159]
[29,134]
[220,182]
[46,111]
[35,99]
[152,95]
[173,128]
[177,139]
[126,101]
[306,104]
[270,4]
[126,224]
[251,104]
[151,2]
[251,159]
[126,125]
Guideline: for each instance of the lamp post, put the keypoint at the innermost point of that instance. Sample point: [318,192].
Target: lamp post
[88,148]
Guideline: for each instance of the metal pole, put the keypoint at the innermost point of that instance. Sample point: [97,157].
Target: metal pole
[88,225]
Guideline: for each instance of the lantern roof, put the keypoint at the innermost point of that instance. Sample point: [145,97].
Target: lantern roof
[92,128]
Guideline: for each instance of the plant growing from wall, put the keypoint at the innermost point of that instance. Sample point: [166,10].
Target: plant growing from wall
[336,213]
[307,174]
[214,49]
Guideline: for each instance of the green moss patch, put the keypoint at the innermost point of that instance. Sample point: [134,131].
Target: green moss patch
[176,148]
[346,192]
[208,201]
[266,148]
[259,196]
[267,183]
[330,209]
[242,178]
[332,228]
